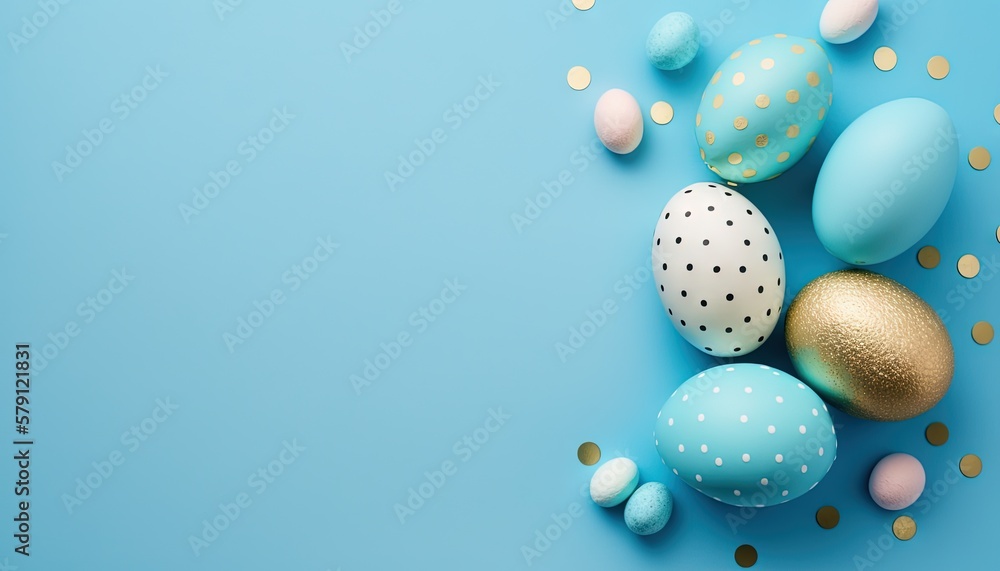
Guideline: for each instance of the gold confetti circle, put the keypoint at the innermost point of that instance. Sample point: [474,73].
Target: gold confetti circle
[578,78]
[762,101]
[936,433]
[970,465]
[755,42]
[716,77]
[583,5]
[998,233]
[929,257]
[996,113]
[792,132]
[740,123]
[662,113]
[739,77]
[792,96]
[827,517]
[717,102]
[746,556]
[588,453]
[697,120]
[938,67]
[982,333]
[797,49]
[822,113]
[736,54]
[885,58]
[979,158]
[709,137]
[968,266]
[812,78]
[735,159]
[767,63]
[904,528]
[762,142]
[784,156]
[748,173]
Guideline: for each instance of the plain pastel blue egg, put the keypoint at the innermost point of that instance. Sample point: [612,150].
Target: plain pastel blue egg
[886,181]
[649,508]
[673,41]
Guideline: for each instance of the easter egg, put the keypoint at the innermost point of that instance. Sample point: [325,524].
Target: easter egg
[886,180]
[649,508]
[746,435]
[764,107]
[614,482]
[869,346]
[673,41]
[719,269]
[897,481]
[618,121]
[844,21]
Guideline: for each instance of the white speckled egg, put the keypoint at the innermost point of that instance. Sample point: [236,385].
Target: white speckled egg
[746,435]
[618,121]
[719,269]
[614,482]
[844,21]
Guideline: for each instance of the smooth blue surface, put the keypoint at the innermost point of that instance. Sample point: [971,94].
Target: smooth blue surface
[494,346]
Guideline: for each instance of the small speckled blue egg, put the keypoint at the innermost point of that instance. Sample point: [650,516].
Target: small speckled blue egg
[746,435]
[764,107]
[649,508]
[673,41]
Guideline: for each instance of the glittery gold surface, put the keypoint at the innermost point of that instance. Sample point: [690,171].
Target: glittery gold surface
[929,257]
[746,556]
[885,58]
[588,453]
[869,346]
[936,433]
[970,465]
[827,517]
[904,528]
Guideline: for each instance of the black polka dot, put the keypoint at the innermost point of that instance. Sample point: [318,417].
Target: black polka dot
[688,191]
[712,186]
[711,209]
[743,269]
[729,222]
[708,348]
[661,287]
[670,311]
[729,297]
[690,267]
[746,319]
[729,329]
[664,265]
[779,281]
[769,313]
[703,328]
[766,230]
[678,240]
[657,241]
[704,303]
[684,293]
[760,289]
[760,339]
[667,217]
[683,323]
[716,269]
[750,212]
[736,350]
[764,257]
[729,193]
[746,242]
[704,242]
[687,214]
[780,257]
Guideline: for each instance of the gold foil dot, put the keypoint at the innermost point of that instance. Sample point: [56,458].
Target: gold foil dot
[717,102]
[830,102]
[761,141]
[970,465]
[762,101]
[767,63]
[979,158]
[715,170]
[936,433]
[702,154]
[716,77]
[822,113]
[784,156]
[749,173]
[736,54]
[829,66]
[746,556]
[904,528]
[578,78]
[938,67]
[697,120]
[885,58]
[662,113]
[827,517]
[968,266]
[998,233]
[812,78]
[583,5]
[735,159]
[996,113]
[732,184]
[709,137]
[781,36]
[775,176]
[797,49]
[792,96]
[792,131]
[588,453]
[811,141]
[740,123]
[929,257]
[739,78]
[982,333]
[754,42]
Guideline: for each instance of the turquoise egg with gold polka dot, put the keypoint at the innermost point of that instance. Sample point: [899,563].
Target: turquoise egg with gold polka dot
[763,108]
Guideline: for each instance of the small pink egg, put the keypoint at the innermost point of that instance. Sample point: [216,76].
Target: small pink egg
[618,121]
[897,481]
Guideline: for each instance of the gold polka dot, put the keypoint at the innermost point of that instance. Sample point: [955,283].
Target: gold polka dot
[979,158]
[717,102]
[702,154]
[996,113]
[827,517]
[797,49]
[578,78]
[792,96]
[767,63]
[762,101]
[588,453]
[829,66]
[784,156]
[811,141]
[830,100]
[661,113]
[885,58]
[710,137]
[740,123]
[929,257]
[716,77]
[982,333]
[754,42]
[715,170]
[822,113]
[970,465]
[781,36]
[792,132]
[748,173]
[736,54]
[746,556]
[968,266]
[936,433]
[938,67]
[735,159]
[813,78]
[904,528]
[732,184]
[583,5]
[739,78]
[761,140]
[775,176]
[697,120]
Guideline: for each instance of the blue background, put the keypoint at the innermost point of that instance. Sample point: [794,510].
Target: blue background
[494,347]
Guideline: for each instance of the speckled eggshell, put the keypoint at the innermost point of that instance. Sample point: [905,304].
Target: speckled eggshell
[649,508]
[673,41]
[614,482]
[897,481]
[844,21]
[746,435]
[764,107]
[618,121]
[719,269]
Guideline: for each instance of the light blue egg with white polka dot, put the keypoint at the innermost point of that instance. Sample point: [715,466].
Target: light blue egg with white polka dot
[764,107]
[746,435]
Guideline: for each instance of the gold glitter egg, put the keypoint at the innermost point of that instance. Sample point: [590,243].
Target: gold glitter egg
[869,346]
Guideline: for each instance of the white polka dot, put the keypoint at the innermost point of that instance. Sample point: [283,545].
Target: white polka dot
[802,429]
[770,429]
[763,481]
[820,450]
[680,448]
[776,374]
[715,390]
[657,442]
[805,468]
[701,375]
[833,430]
[779,458]
[730,369]
[718,461]
[748,390]
[716,499]
[664,461]
[765,367]
[697,477]
[800,385]
[658,414]
[704,448]
[784,493]
[746,457]
[815,412]
[670,422]
[759,505]
[826,409]
[778,399]
[736,493]
[701,418]
[743,418]
[684,398]
[675,472]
